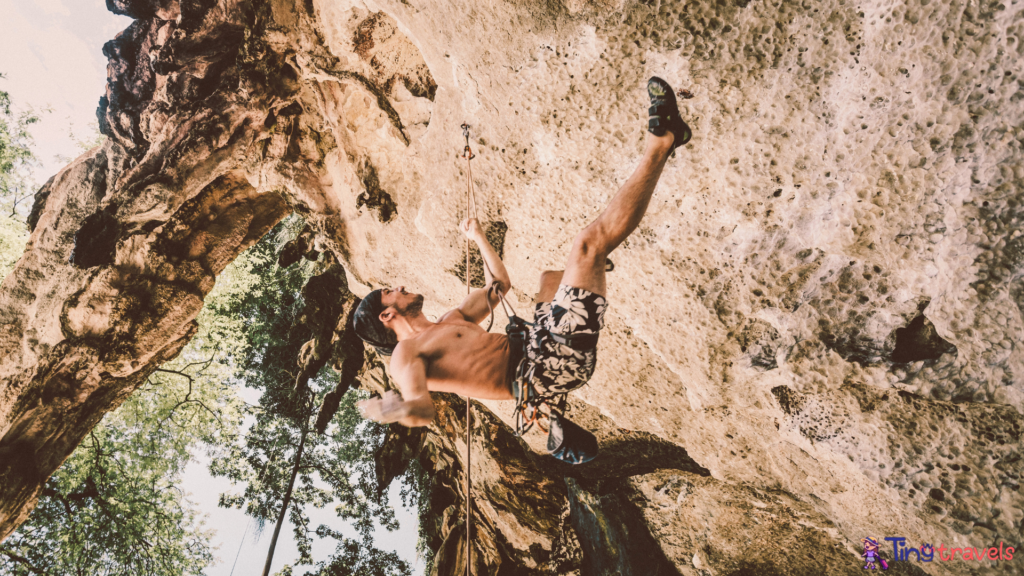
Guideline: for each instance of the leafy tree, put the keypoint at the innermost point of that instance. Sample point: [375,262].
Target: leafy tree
[16,185]
[333,468]
[114,507]
[352,559]
[16,156]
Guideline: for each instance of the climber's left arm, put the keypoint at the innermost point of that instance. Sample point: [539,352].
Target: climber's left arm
[479,303]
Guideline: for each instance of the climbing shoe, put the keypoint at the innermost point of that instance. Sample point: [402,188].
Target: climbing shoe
[664,113]
[568,442]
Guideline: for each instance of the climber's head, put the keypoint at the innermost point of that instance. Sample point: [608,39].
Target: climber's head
[378,314]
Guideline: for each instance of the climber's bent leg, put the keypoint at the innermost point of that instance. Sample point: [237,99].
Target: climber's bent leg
[555,367]
[587,259]
[578,305]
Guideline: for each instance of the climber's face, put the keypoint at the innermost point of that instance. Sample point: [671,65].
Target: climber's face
[396,300]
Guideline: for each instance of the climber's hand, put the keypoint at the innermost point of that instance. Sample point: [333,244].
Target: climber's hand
[471,228]
[386,409]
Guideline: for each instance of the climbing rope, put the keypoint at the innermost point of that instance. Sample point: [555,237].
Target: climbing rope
[467,153]
[469,481]
[471,212]
[524,421]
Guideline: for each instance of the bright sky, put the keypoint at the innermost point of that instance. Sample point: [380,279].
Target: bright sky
[51,54]
[50,51]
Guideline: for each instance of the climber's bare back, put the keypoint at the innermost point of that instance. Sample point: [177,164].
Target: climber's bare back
[460,357]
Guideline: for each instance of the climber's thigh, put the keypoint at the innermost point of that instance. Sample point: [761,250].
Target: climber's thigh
[587,258]
[549,281]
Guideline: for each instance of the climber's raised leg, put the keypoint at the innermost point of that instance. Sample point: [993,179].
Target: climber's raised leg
[570,307]
[585,268]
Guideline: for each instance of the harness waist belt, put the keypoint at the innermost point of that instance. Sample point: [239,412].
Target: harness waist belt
[578,342]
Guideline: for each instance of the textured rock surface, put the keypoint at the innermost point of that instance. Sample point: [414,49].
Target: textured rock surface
[824,304]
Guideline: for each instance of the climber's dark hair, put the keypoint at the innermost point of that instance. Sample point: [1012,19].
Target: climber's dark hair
[368,326]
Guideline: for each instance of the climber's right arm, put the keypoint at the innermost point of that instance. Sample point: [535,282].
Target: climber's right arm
[414,407]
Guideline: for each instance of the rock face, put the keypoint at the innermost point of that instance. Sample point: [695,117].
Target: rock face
[822,309]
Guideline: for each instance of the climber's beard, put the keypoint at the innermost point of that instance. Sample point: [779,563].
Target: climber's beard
[412,308]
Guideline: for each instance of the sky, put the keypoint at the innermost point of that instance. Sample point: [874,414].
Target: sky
[50,53]
[51,56]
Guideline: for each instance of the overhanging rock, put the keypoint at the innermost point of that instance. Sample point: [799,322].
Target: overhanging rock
[855,175]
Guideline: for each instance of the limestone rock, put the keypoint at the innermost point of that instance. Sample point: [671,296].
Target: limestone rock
[822,305]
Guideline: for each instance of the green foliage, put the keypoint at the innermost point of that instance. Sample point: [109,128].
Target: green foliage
[352,559]
[13,237]
[415,492]
[16,184]
[16,157]
[114,507]
[336,468]
[267,310]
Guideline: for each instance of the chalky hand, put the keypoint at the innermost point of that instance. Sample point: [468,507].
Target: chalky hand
[386,409]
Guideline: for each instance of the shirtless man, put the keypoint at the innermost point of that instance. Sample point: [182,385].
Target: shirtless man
[456,355]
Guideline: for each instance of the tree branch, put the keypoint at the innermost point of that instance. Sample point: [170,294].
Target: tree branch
[91,491]
[21,560]
[187,399]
